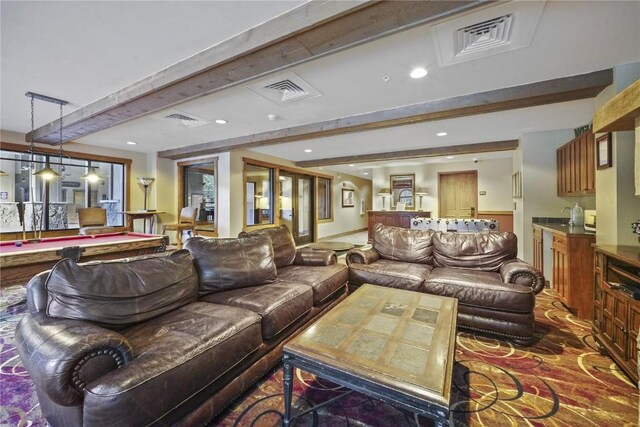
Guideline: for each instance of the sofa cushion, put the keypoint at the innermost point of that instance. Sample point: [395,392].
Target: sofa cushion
[480,289]
[224,264]
[284,247]
[176,356]
[324,281]
[402,244]
[280,304]
[480,251]
[120,293]
[394,274]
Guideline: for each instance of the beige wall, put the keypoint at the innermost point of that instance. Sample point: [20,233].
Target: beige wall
[617,205]
[494,177]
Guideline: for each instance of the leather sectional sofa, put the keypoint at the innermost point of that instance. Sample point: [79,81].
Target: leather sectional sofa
[169,340]
[495,290]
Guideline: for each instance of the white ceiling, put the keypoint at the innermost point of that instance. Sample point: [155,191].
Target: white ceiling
[82,51]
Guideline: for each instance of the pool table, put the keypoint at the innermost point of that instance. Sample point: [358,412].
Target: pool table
[18,264]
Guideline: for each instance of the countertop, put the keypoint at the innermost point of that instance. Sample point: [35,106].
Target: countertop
[564,229]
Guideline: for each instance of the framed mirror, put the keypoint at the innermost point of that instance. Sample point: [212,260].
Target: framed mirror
[402,189]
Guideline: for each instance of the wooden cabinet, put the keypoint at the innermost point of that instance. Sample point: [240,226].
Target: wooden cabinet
[394,218]
[537,249]
[572,267]
[616,315]
[576,166]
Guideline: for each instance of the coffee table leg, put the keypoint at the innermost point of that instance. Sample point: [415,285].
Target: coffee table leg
[288,389]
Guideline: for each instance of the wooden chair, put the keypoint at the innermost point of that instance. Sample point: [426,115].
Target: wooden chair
[93,221]
[187,221]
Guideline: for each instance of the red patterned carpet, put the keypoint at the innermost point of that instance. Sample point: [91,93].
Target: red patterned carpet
[560,380]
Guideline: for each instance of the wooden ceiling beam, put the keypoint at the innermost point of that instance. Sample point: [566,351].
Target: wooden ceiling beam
[482,147]
[530,95]
[310,31]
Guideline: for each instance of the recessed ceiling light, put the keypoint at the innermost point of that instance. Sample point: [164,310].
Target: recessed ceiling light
[221,121]
[449,157]
[441,134]
[308,150]
[351,165]
[272,117]
[418,73]
[365,173]
[386,79]
[131,143]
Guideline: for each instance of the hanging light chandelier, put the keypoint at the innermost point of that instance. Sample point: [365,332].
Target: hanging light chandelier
[47,172]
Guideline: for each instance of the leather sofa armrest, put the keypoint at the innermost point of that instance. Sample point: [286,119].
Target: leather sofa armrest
[63,355]
[522,273]
[317,257]
[366,255]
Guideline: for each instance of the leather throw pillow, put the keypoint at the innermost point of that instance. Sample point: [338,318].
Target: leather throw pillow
[225,264]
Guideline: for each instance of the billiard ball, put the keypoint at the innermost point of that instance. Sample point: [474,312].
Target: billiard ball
[18,243]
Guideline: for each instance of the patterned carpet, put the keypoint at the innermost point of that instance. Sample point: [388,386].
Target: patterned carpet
[561,380]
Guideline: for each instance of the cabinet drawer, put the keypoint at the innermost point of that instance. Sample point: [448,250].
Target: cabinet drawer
[537,233]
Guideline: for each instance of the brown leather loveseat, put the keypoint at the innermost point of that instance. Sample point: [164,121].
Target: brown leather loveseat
[166,340]
[495,290]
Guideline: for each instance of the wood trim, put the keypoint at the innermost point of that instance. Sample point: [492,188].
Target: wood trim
[495,213]
[620,112]
[312,30]
[9,146]
[483,147]
[285,168]
[533,94]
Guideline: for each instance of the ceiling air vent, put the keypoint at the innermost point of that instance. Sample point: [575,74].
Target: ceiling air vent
[481,33]
[189,121]
[284,88]
[288,90]
[484,35]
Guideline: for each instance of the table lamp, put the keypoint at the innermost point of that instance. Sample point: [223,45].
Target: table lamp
[384,192]
[421,192]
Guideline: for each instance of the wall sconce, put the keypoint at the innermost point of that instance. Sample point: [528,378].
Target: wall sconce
[421,192]
[384,192]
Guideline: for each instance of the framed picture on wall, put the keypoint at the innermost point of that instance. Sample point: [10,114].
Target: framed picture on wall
[603,147]
[348,198]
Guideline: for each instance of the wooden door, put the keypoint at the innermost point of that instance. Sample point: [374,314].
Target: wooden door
[458,194]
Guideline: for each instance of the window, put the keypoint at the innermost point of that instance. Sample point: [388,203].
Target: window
[259,194]
[61,197]
[324,198]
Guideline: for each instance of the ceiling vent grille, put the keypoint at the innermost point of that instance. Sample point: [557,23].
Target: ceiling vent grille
[187,120]
[284,88]
[494,30]
[484,35]
[288,90]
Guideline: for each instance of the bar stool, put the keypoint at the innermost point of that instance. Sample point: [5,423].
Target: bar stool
[186,221]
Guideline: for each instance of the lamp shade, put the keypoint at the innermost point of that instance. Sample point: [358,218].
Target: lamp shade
[92,175]
[47,173]
[145,181]
[421,192]
[384,192]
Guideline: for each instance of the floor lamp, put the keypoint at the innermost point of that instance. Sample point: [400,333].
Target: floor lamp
[145,182]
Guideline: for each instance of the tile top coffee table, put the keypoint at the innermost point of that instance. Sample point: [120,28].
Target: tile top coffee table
[390,344]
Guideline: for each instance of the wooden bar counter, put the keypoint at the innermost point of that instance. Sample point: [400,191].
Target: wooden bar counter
[394,218]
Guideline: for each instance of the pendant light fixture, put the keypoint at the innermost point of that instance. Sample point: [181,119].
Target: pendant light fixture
[92,175]
[47,172]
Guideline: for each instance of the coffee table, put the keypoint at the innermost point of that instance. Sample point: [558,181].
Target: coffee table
[390,344]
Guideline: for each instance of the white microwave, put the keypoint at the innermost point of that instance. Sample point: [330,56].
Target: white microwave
[590,219]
